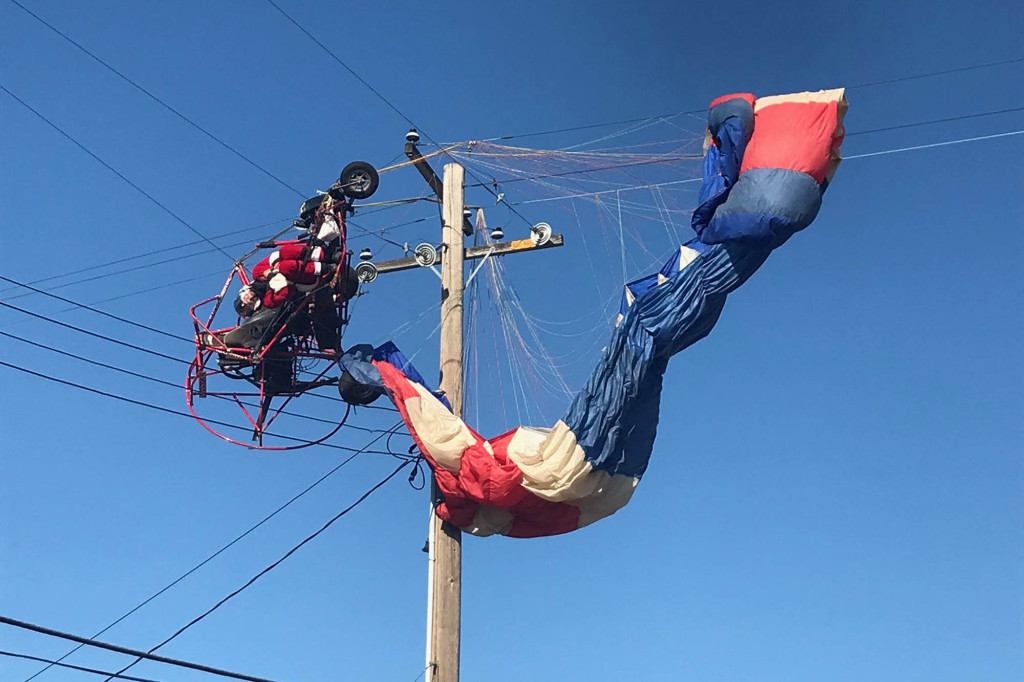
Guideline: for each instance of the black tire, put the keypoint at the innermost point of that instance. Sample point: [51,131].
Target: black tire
[348,284]
[355,393]
[359,180]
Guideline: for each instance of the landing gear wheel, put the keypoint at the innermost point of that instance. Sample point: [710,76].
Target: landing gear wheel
[355,393]
[359,180]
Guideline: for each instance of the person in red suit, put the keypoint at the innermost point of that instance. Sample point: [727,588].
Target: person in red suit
[288,273]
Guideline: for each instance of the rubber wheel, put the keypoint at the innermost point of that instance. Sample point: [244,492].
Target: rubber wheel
[348,285]
[359,180]
[355,393]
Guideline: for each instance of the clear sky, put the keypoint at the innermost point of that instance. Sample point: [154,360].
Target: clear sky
[836,489]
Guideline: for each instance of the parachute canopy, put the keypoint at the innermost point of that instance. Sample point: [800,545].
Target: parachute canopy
[768,161]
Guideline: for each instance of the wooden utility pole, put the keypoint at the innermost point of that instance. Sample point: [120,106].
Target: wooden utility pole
[445,541]
[444,545]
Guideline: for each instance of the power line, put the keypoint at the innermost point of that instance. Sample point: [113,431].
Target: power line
[74,667]
[937,120]
[131,652]
[93,334]
[852,134]
[125,271]
[125,344]
[595,125]
[159,101]
[221,550]
[901,79]
[156,252]
[114,170]
[385,100]
[936,144]
[179,413]
[134,268]
[96,363]
[935,73]
[177,386]
[646,162]
[611,191]
[94,310]
[269,568]
[344,65]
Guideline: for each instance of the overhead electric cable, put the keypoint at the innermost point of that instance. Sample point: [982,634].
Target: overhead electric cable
[935,73]
[177,386]
[94,334]
[134,268]
[704,109]
[125,344]
[934,144]
[93,310]
[184,118]
[269,568]
[75,667]
[849,134]
[610,191]
[131,652]
[114,171]
[382,97]
[168,410]
[937,120]
[343,64]
[155,252]
[159,101]
[213,556]
[124,271]
[593,125]
[595,170]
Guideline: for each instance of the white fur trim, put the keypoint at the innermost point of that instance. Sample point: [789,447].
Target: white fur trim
[274,257]
[317,253]
[277,282]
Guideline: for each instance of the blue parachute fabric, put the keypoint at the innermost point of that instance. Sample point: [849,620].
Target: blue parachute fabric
[730,124]
[389,352]
[740,110]
[639,287]
[358,361]
[636,289]
[766,205]
[615,415]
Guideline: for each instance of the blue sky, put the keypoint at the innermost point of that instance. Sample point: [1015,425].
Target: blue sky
[836,490]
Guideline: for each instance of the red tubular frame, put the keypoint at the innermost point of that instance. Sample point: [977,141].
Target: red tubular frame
[199,369]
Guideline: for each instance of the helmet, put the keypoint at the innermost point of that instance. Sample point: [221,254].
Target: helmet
[247,302]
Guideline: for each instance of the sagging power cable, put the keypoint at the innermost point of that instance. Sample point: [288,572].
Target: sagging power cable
[69,666]
[116,172]
[269,568]
[220,551]
[177,386]
[131,652]
[179,413]
[159,101]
